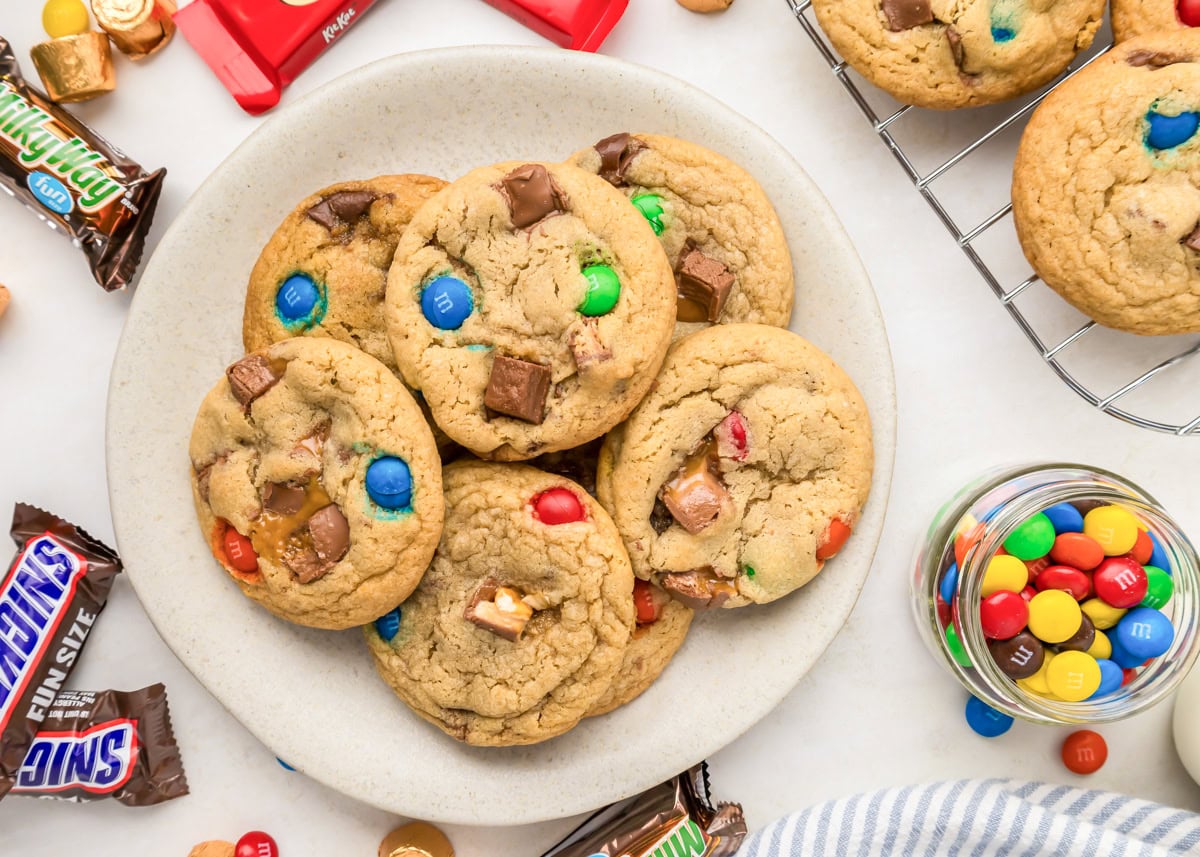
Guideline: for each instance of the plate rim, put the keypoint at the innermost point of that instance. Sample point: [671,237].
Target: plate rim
[884,414]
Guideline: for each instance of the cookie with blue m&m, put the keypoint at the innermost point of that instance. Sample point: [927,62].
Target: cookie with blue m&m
[531,304]
[1106,186]
[944,55]
[324,270]
[316,482]
[715,222]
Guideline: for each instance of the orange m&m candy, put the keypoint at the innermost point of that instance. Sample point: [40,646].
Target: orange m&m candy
[1084,752]
[834,539]
[1077,550]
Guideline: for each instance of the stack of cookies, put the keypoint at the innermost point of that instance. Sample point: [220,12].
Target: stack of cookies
[521,426]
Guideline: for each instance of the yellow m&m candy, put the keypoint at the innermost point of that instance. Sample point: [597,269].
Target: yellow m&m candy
[1004,573]
[1102,614]
[1073,676]
[1054,616]
[1101,647]
[1036,683]
[64,18]
[1116,529]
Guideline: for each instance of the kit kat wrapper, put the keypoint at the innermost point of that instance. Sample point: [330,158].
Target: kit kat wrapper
[673,819]
[50,599]
[73,178]
[105,744]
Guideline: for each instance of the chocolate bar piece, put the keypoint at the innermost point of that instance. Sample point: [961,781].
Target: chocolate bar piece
[906,14]
[581,25]
[532,195]
[74,179]
[345,206]
[250,377]
[694,496]
[517,388]
[498,609]
[100,744]
[49,602]
[704,285]
[674,818]
[616,154]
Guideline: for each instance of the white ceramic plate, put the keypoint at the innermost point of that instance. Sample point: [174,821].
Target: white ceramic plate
[313,696]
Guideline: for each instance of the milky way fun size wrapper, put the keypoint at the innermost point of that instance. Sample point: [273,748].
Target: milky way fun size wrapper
[73,178]
[673,819]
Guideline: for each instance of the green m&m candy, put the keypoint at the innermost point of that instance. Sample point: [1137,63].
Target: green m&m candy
[957,650]
[602,292]
[1032,539]
[1159,588]
[650,205]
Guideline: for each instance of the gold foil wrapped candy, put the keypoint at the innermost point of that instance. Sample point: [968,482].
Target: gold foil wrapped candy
[417,839]
[137,27]
[75,68]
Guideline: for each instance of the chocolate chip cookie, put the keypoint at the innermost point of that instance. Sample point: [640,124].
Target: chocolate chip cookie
[1106,186]
[743,470]
[662,625]
[317,482]
[943,55]
[521,622]
[324,271]
[715,223]
[1132,18]
[532,305]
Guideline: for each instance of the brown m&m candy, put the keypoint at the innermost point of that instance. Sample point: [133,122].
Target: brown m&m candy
[416,839]
[1018,657]
[517,388]
[1082,639]
[137,27]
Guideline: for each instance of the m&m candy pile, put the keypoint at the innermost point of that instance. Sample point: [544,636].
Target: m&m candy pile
[1071,605]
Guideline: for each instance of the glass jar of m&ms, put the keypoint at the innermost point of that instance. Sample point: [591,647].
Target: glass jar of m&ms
[1059,593]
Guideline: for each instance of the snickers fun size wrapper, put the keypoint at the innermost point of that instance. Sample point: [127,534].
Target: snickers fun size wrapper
[73,178]
[49,600]
[98,744]
[674,819]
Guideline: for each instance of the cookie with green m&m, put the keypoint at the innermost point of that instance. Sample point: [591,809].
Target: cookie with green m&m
[324,270]
[715,222]
[532,305]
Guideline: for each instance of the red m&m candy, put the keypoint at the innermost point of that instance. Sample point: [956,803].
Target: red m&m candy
[238,551]
[1120,582]
[1068,579]
[1003,615]
[256,844]
[1188,12]
[558,506]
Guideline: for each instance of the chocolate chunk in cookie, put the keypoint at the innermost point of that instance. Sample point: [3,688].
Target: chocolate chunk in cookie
[704,285]
[330,533]
[906,14]
[282,498]
[342,207]
[517,388]
[532,195]
[250,377]
[616,154]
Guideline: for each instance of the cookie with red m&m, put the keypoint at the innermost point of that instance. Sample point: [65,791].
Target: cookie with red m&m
[1133,18]
[531,304]
[521,622]
[317,482]
[743,470]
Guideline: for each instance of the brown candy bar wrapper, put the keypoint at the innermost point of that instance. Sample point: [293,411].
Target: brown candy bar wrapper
[73,178]
[99,744]
[49,601]
[674,819]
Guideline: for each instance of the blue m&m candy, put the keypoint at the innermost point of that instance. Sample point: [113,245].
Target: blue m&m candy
[949,583]
[1111,678]
[387,626]
[297,301]
[1158,558]
[447,302]
[1065,518]
[1144,633]
[389,482]
[284,765]
[1167,132]
[985,720]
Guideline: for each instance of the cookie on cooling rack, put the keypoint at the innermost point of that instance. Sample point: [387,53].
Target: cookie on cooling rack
[942,55]
[1106,186]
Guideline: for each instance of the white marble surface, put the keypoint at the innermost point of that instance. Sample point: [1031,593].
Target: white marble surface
[875,711]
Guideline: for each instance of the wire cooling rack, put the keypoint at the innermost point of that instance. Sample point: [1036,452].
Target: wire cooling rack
[961,163]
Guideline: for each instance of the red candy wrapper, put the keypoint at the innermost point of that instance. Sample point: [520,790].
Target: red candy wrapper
[581,25]
[101,744]
[674,819]
[49,602]
[258,47]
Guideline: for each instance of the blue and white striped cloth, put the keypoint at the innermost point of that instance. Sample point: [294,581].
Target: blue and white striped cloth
[981,818]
